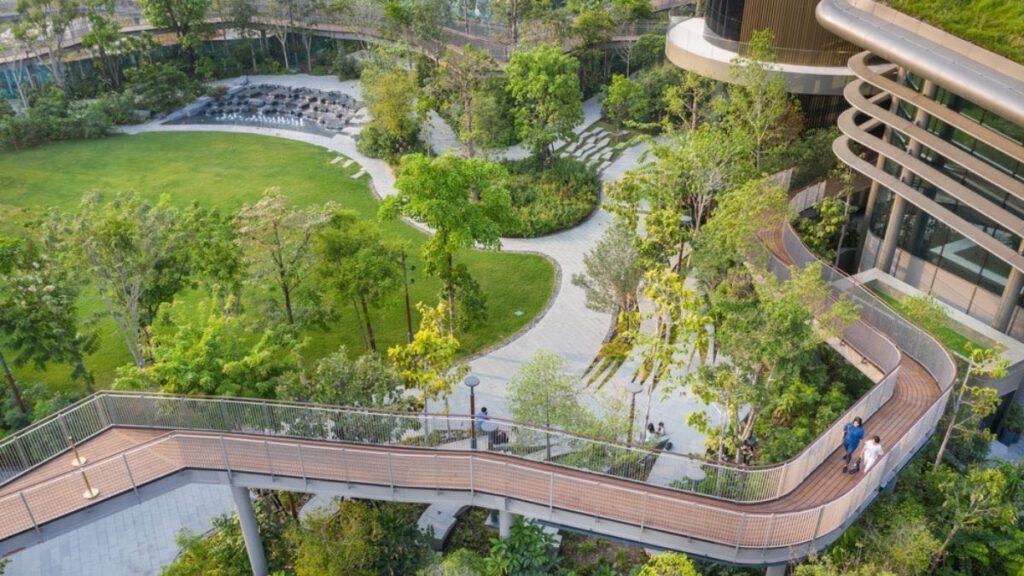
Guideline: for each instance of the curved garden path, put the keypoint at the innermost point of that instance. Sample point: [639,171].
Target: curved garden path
[566,327]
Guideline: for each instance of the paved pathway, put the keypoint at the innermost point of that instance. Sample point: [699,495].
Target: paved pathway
[137,541]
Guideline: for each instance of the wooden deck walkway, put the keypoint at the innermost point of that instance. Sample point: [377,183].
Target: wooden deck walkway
[121,458]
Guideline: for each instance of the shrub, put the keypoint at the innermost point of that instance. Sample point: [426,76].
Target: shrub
[345,66]
[546,200]
[160,87]
[51,117]
[376,142]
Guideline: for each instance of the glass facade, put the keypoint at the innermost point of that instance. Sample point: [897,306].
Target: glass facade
[924,236]
[725,18]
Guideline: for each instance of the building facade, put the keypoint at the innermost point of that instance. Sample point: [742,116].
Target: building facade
[812,59]
[937,125]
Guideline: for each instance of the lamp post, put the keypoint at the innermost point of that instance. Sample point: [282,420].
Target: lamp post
[633,388]
[408,307]
[472,382]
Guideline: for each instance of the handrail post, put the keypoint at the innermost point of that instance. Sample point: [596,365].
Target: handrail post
[344,464]
[103,411]
[741,531]
[63,425]
[31,516]
[302,467]
[22,454]
[224,452]
[391,478]
[131,477]
[817,526]
[643,513]
[270,462]
[267,420]
[228,427]
[472,479]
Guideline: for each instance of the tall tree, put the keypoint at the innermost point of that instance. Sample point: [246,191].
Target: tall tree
[278,242]
[185,18]
[353,259]
[546,89]
[240,16]
[981,496]
[543,393]
[341,380]
[427,363]
[972,403]
[135,253]
[102,40]
[464,201]
[48,22]
[464,74]
[757,106]
[689,103]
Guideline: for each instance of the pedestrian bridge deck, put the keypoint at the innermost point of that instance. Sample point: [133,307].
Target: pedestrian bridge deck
[731,513]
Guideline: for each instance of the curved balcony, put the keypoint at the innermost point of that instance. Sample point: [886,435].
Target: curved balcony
[688,46]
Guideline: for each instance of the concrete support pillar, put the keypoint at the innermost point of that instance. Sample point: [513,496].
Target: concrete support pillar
[892,234]
[250,531]
[899,205]
[504,523]
[1008,302]
[775,570]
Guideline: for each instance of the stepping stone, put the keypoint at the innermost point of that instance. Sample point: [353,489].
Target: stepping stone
[348,162]
[359,174]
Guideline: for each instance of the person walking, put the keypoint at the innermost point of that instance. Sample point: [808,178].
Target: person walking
[853,433]
[872,452]
[481,417]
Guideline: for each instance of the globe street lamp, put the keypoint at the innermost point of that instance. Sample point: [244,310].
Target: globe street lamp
[472,382]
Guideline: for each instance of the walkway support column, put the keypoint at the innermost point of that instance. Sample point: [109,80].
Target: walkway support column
[776,570]
[250,531]
[504,523]
[1008,302]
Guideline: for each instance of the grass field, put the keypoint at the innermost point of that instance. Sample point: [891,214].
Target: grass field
[226,171]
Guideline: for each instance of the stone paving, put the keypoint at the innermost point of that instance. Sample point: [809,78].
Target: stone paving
[138,541]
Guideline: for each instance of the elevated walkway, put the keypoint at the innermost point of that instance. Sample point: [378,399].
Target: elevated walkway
[139,445]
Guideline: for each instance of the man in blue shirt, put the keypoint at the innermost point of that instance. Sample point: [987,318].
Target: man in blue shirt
[853,433]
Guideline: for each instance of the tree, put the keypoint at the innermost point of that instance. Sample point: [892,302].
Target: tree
[426,363]
[543,393]
[528,551]
[389,91]
[222,553]
[102,39]
[359,539]
[338,380]
[971,404]
[689,103]
[239,15]
[674,190]
[612,272]
[465,201]
[979,497]
[465,74]
[758,108]
[185,18]
[821,233]
[135,253]
[625,102]
[546,90]
[278,244]
[791,319]
[48,22]
[215,255]
[668,564]
[215,356]
[353,259]
[593,29]
[39,318]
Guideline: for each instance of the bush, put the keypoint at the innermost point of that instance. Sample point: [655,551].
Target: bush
[376,142]
[546,200]
[119,107]
[51,117]
[345,66]
[160,87]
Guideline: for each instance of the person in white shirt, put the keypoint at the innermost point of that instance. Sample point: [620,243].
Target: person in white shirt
[872,452]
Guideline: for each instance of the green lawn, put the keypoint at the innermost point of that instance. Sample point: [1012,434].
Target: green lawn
[226,171]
